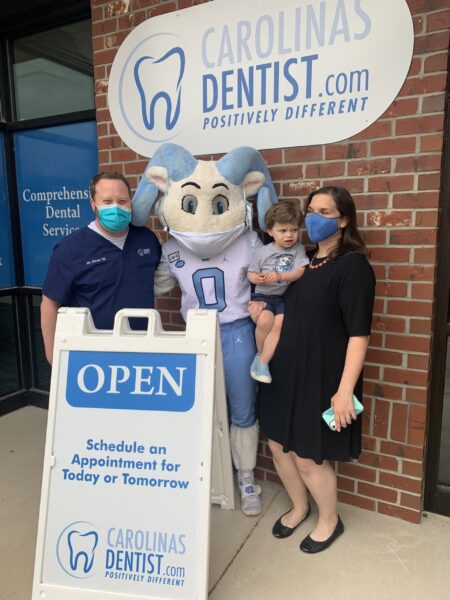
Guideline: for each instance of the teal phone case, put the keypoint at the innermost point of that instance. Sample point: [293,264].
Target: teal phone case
[328,415]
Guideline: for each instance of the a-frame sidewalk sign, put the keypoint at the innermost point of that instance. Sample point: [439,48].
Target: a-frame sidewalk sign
[128,471]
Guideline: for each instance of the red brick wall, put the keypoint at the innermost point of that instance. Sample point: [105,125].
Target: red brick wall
[393,171]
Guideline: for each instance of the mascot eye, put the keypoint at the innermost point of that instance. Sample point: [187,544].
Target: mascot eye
[219,205]
[189,204]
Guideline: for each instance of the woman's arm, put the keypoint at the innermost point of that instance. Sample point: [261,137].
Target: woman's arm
[291,276]
[342,401]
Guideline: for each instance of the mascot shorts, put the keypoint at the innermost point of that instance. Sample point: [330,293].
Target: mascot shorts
[239,349]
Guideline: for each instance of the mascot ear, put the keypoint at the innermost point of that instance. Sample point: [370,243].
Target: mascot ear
[160,177]
[252,183]
[142,202]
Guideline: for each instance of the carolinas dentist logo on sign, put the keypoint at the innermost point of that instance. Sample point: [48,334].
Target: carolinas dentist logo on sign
[273,74]
[75,549]
[153,76]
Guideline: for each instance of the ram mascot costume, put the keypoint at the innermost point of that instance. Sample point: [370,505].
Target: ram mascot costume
[204,209]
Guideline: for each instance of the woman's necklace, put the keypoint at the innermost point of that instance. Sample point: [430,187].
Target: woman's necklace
[318,265]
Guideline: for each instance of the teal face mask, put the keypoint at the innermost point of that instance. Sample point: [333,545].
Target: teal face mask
[114,218]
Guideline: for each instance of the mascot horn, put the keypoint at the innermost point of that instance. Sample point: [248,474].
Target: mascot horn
[204,208]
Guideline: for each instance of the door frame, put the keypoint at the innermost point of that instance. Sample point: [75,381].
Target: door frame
[437,497]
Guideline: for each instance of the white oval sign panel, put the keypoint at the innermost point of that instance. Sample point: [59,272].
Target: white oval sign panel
[260,73]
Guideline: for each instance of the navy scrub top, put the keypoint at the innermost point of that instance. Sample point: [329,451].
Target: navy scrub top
[87,270]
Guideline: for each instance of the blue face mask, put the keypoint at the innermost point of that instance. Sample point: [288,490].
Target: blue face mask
[320,228]
[114,218]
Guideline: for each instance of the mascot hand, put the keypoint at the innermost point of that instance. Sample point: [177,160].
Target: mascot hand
[164,282]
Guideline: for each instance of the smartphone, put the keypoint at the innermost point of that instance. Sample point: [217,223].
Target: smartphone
[328,415]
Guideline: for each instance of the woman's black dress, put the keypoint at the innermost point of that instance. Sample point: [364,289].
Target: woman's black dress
[323,309]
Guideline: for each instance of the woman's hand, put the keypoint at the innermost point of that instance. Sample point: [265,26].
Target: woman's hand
[342,401]
[344,410]
[255,308]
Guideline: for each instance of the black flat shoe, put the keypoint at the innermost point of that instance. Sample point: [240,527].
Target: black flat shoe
[281,531]
[312,546]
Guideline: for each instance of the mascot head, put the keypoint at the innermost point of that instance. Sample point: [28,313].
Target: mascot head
[204,202]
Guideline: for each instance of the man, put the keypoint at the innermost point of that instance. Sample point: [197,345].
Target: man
[105,266]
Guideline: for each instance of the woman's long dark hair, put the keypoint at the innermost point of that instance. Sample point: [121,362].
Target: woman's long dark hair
[351,241]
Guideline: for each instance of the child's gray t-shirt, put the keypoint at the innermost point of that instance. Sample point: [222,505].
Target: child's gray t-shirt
[268,258]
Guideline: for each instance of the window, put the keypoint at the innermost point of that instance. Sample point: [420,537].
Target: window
[9,372]
[53,72]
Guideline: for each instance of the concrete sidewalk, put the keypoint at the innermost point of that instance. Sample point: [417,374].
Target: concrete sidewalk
[378,557]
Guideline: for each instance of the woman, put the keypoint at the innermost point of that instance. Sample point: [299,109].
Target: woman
[318,363]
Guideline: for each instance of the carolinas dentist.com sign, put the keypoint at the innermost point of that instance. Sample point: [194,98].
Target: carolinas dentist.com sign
[270,74]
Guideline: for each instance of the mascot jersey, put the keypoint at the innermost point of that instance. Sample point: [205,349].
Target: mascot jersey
[217,283]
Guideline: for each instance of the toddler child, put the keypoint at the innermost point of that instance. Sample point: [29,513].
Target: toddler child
[272,268]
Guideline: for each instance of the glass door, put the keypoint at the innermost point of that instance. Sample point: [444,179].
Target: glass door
[10,378]
[48,154]
[7,277]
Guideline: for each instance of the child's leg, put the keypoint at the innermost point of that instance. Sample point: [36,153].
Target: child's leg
[263,327]
[271,340]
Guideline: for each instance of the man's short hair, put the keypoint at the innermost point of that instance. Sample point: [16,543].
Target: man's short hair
[108,175]
[286,211]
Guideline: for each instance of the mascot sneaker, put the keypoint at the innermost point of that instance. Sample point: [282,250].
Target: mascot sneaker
[251,503]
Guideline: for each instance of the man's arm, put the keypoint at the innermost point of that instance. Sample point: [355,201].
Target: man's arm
[49,313]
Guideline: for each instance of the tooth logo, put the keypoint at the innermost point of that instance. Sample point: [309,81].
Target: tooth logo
[76,547]
[171,98]
[146,88]
[81,549]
